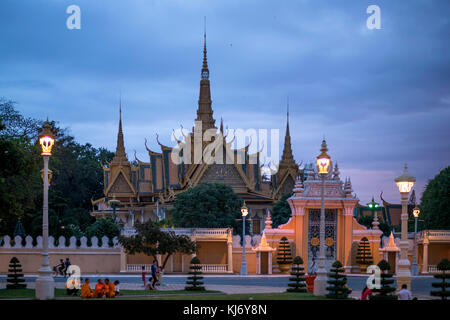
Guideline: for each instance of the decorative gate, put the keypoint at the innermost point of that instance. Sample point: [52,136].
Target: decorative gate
[314,238]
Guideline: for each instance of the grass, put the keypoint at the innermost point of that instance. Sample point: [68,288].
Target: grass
[246,296]
[61,293]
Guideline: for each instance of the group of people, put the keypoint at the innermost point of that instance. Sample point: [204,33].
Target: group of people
[403,294]
[62,267]
[154,280]
[103,289]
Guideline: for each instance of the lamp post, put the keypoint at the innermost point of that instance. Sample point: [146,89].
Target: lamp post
[114,203]
[323,162]
[415,268]
[45,285]
[405,182]
[244,212]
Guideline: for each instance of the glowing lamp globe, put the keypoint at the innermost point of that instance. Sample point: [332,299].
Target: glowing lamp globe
[416,212]
[46,140]
[244,210]
[323,159]
[405,182]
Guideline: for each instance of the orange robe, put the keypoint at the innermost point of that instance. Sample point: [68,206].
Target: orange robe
[106,288]
[112,290]
[99,290]
[86,291]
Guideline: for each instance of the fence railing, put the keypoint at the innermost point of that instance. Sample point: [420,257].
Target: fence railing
[206,268]
[29,243]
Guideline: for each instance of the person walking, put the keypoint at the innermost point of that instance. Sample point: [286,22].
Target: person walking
[404,294]
[154,273]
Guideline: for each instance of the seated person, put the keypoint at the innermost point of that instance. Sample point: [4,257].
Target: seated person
[86,291]
[72,288]
[61,267]
[116,285]
[99,289]
[110,291]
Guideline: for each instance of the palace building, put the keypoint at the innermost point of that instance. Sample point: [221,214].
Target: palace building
[147,189]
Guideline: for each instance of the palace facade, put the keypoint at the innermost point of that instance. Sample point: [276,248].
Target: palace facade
[146,190]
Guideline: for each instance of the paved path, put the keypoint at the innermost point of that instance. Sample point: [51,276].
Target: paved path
[231,284]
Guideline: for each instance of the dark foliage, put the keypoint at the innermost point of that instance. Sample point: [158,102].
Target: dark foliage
[338,282]
[297,279]
[194,282]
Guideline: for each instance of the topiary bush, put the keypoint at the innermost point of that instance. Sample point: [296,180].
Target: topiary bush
[386,291]
[338,282]
[364,256]
[298,276]
[284,252]
[444,291]
[15,278]
[194,282]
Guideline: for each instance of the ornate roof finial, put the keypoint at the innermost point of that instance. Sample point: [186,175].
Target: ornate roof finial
[336,172]
[268,222]
[221,126]
[298,187]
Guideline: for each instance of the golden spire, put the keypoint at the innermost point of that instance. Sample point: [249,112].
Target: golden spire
[120,155]
[287,159]
[204,110]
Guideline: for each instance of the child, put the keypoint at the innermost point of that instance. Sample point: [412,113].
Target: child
[116,284]
[143,275]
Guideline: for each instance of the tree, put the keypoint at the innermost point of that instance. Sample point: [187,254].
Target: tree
[194,282]
[367,222]
[385,292]
[284,257]
[297,278]
[103,227]
[208,205]
[77,176]
[281,211]
[338,282]
[444,285]
[364,254]
[152,241]
[15,276]
[435,202]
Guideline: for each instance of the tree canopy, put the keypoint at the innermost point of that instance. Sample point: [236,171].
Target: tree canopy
[77,177]
[208,205]
[435,202]
[151,241]
[281,211]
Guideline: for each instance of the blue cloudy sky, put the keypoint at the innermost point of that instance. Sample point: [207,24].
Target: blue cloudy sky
[380,97]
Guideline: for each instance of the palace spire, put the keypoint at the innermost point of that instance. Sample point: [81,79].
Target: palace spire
[287,158]
[204,111]
[120,156]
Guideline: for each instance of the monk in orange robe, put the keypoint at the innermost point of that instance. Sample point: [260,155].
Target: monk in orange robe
[86,291]
[111,288]
[106,287]
[99,289]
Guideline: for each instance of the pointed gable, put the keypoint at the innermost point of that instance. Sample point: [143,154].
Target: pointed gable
[224,173]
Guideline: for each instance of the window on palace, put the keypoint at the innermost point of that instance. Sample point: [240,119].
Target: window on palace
[256,229]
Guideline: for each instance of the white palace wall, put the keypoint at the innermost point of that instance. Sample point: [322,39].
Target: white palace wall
[91,259]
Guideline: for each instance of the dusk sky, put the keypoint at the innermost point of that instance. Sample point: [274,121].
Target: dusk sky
[380,97]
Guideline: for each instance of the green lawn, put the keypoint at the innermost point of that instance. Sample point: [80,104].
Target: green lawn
[246,296]
[170,295]
[60,293]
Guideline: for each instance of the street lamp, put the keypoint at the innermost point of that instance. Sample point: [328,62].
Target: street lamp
[323,163]
[45,285]
[415,268]
[244,212]
[405,182]
[114,203]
